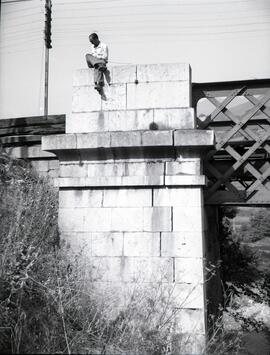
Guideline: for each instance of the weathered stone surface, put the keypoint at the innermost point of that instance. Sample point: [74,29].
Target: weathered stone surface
[78,242]
[142,244]
[80,198]
[132,221]
[175,118]
[183,180]
[189,343]
[187,218]
[93,140]
[73,170]
[188,295]
[127,198]
[192,167]
[28,152]
[107,244]
[124,74]
[103,181]
[177,197]
[182,244]
[115,97]
[63,141]
[85,98]
[97,219]
[126,139]
[157,138]
[189,270]
[70,220]
[40,165]
[163,72]
[157,219]
[194,138]
[158,95]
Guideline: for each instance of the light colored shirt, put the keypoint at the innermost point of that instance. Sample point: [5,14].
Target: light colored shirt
[101,51]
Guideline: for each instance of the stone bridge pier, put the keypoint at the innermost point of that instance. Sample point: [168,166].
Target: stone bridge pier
[131,185]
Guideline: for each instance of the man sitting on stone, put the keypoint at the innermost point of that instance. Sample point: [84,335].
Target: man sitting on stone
[97,59]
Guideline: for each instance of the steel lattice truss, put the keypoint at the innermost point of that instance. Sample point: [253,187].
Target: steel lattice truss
[238,168]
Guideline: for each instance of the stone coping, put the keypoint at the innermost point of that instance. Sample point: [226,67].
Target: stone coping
[128,139]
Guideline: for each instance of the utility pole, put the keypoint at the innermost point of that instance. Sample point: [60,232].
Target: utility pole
[48,45]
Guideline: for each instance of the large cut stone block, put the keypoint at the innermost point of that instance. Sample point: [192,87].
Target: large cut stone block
[187,218]
[158,95]
[115,97]
[178,197]
[80,198]
[142,244]
[182,244]
[185,167]
[189,270]
[124,74]
[97,219]
[127,198]
[194,137]
[163,72]
[107,244]
[85,98]
[73,170]
[175,118]
[157,219]
[70,219]
[188,295]
[127,219]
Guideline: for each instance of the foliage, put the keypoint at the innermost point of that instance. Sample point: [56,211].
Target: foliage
[258,227]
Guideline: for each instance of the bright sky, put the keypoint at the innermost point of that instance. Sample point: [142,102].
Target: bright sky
[221,39]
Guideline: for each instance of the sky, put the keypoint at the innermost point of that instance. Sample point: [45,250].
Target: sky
[221,40]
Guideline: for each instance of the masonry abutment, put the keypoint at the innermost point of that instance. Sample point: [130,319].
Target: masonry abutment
[133,194]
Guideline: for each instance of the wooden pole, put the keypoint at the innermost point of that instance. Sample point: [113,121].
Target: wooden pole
[46,87]
[47,42]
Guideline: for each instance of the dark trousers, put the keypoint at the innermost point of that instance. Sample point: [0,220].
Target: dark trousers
[99,66]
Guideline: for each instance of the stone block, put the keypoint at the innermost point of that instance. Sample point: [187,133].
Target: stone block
[192,167]
[189,270]
[106,269]
[127,219]
[40,165]
[124,74]
[187,295]
[193,137]
[176,118]
[26,152]
[78,242]
[84,122]
[107,244]
[85,98]
[141,244]
[145,269]
[144,169]
[80,198]
[73,170]
[127,198]
[158,95]
[98,219]
[83,77]
[115,97]
[71,220]
[163,72]
[93,140]
[114,181]
[188,180]
[59,141]
[157,219]
[187,219]
[178,197]
[182,244]
[130,120]
[125,139]
[190,321]
[157,138]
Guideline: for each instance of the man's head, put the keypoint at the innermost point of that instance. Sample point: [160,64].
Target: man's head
[93,38]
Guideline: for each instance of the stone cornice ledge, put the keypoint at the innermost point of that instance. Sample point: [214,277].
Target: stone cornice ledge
[130,139]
